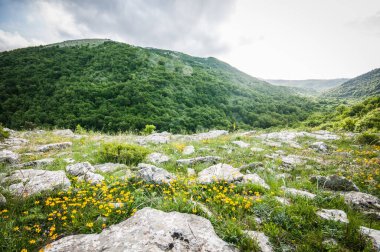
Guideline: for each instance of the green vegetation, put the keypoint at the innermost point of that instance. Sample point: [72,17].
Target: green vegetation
[365,85]
[113,87]
[122,153]
[361,116]
[3,134]
[149,129]
[368,138]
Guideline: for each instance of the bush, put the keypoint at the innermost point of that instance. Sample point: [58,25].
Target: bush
[368,138]
[80,130]
[3,134]
[149,129]
[123,153]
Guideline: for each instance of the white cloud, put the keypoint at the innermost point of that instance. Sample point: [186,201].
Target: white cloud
[12,40]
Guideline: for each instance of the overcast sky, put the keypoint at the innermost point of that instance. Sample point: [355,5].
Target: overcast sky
[288,39]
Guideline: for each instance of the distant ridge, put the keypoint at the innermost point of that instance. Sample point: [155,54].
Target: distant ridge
[313,84]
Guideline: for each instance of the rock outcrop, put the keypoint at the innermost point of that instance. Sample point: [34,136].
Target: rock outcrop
[85,171]
[157,158]
[53,146]
[334,182]
[192,161]
[7,156]
[333,214]
[219,172]
[261,239]
[146,231]
[151,173]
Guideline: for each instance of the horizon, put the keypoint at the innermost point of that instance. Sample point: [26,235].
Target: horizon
[291,40]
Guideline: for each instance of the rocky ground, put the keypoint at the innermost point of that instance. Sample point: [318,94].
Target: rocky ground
[213,191]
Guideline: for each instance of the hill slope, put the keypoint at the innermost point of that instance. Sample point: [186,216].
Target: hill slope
[364,85]
[105,85]
[313,84]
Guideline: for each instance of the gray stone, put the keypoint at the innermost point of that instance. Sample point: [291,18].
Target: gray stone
[192,161]
[3,200]
[85,171]
[191,172]
[36,181]
[151,173]
[157,158]
[7,156]
[255,179]
[219,172]
[155,138]
[334,182]
[292,160]
[333,214]
[283,176]
[188,150]
[93,178]
[149,230]
[69,160]
[320,147]
[241,144]
[253,165]
[54,146]
[256,149]
[36,163]
[282,200]
[206,135]
[373,235]
[296,192]
[364,202]
[109,167]
[272,144]
[64,133]
[261,239]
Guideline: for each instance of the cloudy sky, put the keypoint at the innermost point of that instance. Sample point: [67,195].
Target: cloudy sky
[288,39]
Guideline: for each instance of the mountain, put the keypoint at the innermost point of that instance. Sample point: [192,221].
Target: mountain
[312,85]
[364,85]
[111,86]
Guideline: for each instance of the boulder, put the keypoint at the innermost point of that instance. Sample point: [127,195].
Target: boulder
[292,160]
[191,172]
[53,146]
[192,161]
[3,200]
[296,192]
[364,202]
[157,158]
[282,200]
[7,156]
[261,239]
[219,172]
[188,150]
[241,144]
[151,173]
[373,235]
[333,214]
[85,171]
[109,167]
[64,133]
[255,179]
[149,230]
[36,181]
[334,182]
[320,147]
[155,138]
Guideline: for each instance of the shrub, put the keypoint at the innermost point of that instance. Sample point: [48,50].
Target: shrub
[3,134]
[123,153]
[149,129]
[368,138]
[79,129]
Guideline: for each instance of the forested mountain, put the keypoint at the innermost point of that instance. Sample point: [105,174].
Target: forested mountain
[364,85]
[111,86]
[311,84]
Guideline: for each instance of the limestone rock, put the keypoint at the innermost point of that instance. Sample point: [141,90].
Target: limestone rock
[157,158]
[334,182]
[282,200]
[3,200]
[109,167]
[85,171]
[36,181]
[253,165]
[219,172]
[192,161]
[151,173]
[64,133]
[256,149]
[262,240]
[241,144]
[191,172]
[320,147]
[362,201]
[188,150]
[155,138]
[283,176]
[292,160]
[54,146]
[255,179]
[206,135]
[149,230]
[296,192]
[36,163]
[7,156]
[333,214]
[373,234]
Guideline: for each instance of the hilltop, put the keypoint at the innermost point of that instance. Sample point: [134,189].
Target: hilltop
[111,86]
[316,85]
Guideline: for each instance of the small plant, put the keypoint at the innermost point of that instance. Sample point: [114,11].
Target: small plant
[149,129]
[368,138]
[79,129]
[3,134]
[123,153]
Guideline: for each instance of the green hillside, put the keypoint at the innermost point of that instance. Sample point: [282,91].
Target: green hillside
[316,85]
[110,86]
[364,85]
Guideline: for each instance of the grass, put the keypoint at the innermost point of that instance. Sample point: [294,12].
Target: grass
[31,223]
